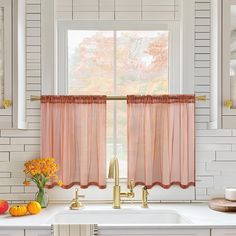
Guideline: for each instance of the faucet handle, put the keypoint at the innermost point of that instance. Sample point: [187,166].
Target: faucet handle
[131,185]
[77,195]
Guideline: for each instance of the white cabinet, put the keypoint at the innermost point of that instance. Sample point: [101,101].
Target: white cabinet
[229,64]
[12,232]
[12,64]
[223,232]
[37,233]
[6,79]
[142,231]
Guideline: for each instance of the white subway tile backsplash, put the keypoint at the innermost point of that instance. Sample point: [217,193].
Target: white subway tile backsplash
[205,156]
[207,140]
[33,80]
[33,1]
[33,49]
[201,88]
[32,17]
[202,118]
[33,31]
[64,5]
[202,6]
[33,8]
[10,148]
[222,166]
[33,126]
[33,41]
[226,156]
[213,147]
[204,14]
[158,2]
[205,181]
[61,15]
[4,156]
[158,15]
[213,133]
[33,119]
[5,189]
[128,16]
[203,21]
[216,149]
[202,80]
[128,6]
[92,15]
[23,156]
[32,112]
[19,133]
[25,140]
[201,126]
[202,43]
[17,189]
[106,6]
[202,57]
[4,174]
[17,196]
[106,15]
[32,148]
[33,24]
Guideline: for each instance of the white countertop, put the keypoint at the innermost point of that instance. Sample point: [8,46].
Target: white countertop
[198,213]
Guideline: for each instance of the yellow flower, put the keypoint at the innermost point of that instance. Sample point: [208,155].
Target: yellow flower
[60,183]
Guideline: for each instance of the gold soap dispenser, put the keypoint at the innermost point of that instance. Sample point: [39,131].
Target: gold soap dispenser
[144,197]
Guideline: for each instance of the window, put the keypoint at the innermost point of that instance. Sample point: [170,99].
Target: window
[117,60]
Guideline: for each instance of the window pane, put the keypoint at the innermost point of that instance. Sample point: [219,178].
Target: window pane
[141,68]
[137,64]
[142,62]
[90,62]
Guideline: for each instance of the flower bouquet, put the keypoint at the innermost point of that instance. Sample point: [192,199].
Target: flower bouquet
[41,171]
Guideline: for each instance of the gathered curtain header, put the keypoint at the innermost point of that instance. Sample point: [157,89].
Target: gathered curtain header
[161,99]
[83,99]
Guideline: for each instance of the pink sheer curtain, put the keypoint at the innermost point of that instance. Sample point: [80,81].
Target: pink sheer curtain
[73,131]
[161,140]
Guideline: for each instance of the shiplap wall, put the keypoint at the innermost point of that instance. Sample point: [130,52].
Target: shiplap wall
[216,149]
[117,9]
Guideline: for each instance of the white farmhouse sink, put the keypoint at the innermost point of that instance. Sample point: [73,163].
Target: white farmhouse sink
[121,217]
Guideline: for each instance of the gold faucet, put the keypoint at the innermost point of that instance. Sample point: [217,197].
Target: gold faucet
[144,197]
[117,194]
[76,204]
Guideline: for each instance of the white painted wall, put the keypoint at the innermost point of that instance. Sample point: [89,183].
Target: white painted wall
[216,149]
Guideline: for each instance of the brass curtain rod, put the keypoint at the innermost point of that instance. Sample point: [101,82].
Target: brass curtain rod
[118,98]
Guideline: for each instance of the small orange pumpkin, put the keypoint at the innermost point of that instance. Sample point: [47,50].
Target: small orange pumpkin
[18,210]
[33,207]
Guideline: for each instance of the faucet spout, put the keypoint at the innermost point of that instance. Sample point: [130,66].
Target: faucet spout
[114,171]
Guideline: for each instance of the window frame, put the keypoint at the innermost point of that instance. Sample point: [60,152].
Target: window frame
[173,27]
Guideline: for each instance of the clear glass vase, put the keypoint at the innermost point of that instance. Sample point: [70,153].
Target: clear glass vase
[42,197]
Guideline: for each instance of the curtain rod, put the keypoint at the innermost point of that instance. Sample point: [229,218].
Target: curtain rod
[117,98]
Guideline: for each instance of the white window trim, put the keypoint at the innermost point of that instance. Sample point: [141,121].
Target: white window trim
[171,26]
[48,45]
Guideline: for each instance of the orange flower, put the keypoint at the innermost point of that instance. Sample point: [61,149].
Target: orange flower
[26,183]
[41,171]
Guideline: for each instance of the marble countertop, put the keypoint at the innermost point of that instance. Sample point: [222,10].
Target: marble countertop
[198,213]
